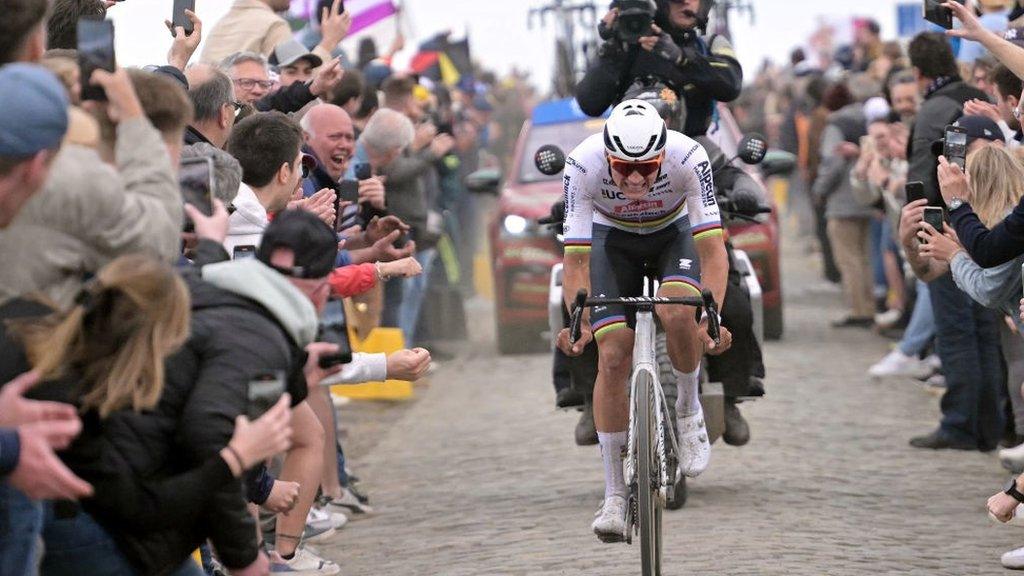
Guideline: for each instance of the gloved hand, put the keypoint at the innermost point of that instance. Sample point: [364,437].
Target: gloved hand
[666,48]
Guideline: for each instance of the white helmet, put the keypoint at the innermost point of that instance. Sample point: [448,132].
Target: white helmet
[635,132]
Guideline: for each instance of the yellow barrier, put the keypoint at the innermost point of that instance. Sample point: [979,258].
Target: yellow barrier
[386,340]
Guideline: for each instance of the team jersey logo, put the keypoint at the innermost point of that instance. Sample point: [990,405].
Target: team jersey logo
[639,207]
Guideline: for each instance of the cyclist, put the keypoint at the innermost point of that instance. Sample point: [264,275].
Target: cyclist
[640,196]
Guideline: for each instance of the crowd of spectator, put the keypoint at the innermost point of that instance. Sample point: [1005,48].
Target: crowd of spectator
[165,368]
[868,123]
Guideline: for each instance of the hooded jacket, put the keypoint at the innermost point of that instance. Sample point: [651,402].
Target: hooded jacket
[131,458]
[249,220]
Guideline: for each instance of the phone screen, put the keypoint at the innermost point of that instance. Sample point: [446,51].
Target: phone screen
[937,14]
[915,191]
[955,148]
[363,171]
[196,180]
[95,52]
[178,18]
[264,391]
[933,216]
[336,333]
[242,252]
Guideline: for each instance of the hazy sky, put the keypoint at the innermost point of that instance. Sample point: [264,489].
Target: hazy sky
[499,32]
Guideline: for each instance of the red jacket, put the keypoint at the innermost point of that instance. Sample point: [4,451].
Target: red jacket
[353,280]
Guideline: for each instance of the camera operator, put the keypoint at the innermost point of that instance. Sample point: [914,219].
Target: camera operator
[672,48]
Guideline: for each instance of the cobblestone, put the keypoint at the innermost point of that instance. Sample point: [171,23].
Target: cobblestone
[480,476]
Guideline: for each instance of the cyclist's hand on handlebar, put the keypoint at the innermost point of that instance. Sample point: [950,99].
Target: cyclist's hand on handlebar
[709,343]
[574,349]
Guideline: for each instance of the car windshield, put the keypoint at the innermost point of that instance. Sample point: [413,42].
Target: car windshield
[566,136]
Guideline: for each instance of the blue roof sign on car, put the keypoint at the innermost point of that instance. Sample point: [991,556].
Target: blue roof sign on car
[559,112]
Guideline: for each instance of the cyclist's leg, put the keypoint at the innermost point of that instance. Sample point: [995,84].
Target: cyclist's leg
[612,274]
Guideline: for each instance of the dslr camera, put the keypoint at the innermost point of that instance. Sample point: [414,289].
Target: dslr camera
[633,22]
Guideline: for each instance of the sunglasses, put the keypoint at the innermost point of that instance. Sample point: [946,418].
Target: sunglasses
[626,168]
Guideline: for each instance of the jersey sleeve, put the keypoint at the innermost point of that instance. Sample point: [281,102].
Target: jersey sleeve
[579,208]
[705,219]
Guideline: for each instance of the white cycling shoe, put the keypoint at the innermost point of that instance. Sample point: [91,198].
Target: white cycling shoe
[694,445]
[610,521]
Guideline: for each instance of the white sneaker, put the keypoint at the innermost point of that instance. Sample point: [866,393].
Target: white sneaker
[349,505]
[897,363]
[321,516]
[694,446]
[304,563]
[610,520]
[1013,458]
[1014,559]
[889,318]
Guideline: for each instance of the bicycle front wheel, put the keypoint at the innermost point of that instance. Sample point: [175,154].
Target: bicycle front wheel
[648,476]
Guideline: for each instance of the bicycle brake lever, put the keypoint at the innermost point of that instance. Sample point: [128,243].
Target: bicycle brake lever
[711,310]
[575,326]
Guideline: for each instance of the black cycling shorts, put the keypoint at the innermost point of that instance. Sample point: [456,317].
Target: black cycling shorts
[619,260]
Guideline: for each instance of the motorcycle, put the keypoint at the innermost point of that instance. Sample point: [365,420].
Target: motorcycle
[752,150]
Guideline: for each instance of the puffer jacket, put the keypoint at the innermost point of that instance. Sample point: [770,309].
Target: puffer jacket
[161,487]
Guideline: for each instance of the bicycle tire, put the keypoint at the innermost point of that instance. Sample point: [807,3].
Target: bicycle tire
[648,471]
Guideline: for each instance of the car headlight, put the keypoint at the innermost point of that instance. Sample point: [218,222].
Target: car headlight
[515,225]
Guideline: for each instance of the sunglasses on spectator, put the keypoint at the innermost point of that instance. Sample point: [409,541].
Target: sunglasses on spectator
[626,168]
[249,83]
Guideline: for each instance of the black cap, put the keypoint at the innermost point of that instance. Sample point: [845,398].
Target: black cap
[313,242]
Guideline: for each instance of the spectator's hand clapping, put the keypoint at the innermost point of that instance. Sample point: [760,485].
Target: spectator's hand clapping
[16,410]
[408,365]
[371,191]
[327,77]
[283,496]
[953,183]
[269,435]
[321,204]
[978,107]
[213,227]
[334,26]
[877,173]
[402,268]
[184,45]
[385,250]
[937,246]
[40,474]
[381,227]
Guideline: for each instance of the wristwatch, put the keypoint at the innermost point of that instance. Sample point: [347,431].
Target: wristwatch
[955,203]
[1011,490]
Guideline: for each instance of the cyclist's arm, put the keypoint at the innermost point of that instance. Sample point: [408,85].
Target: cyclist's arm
[706,224]
[579,224]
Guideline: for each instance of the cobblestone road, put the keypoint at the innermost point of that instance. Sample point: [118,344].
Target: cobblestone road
[480,476]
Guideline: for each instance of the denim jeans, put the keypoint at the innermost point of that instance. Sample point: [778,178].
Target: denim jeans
[21,520]
[968,345]
[921,328]
[413,291]
[79,541]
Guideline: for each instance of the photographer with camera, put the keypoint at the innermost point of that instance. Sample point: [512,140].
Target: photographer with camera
[648,41]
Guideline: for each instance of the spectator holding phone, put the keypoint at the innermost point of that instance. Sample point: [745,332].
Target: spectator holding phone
[99,204]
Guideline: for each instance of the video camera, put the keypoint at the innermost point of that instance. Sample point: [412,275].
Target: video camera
[634,20]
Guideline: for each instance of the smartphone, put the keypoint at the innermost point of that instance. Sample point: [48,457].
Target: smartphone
[955,146]
[264,391]
[328,4]
[195,177]
[938,14]
[178,17]
[933,216]
[335,333]
[363,171]
[915,191]
[242,252]
[95,52]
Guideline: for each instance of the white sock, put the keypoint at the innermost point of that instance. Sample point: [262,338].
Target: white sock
[611,454]
[688,387]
